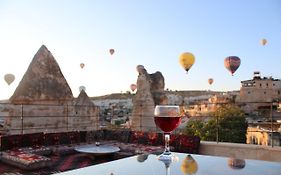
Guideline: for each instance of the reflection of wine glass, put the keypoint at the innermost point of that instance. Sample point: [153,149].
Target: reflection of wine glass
[167,118]
[168,162]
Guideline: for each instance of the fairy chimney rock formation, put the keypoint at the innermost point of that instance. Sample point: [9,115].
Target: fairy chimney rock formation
[43,82]
[83,99]
[150,92]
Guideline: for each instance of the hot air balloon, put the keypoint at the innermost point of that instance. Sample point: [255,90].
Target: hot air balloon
[186,60]
[111,51]
[9,78]
[210,81]
[82,88]
[189,165]
[82,65]
[142,157]
[236,163]
[263,42]
[139,68]
[232,63]
[133,87]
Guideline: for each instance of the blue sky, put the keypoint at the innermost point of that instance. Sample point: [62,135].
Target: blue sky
[150,33]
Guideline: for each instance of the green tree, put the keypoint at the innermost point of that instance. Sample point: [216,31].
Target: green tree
[232,124]
[228,123]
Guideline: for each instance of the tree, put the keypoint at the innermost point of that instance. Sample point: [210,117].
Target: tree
[232,124]
[228,123]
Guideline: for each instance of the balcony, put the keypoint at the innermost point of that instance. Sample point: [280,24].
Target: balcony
[64,149]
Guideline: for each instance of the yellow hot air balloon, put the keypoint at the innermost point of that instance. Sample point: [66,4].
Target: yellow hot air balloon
[82,65]
[210,81]
[186,60]
[9,78]
[263,42]
[111,51]
[189,165]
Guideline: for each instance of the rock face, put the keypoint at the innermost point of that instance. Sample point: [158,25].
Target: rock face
[86,113]
[43,81]
[150,92]
[47,103]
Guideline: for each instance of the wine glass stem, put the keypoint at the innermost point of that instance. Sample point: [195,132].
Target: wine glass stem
[167,139]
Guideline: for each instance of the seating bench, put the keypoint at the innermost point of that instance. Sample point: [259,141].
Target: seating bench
[25,160]
[27,151]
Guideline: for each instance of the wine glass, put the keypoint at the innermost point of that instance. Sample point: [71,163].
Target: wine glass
[167,118]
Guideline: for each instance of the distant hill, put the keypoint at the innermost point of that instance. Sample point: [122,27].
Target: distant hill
[193,93]
[113,96]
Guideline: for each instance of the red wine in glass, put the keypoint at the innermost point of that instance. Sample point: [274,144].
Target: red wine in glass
[167,124]
[167,118]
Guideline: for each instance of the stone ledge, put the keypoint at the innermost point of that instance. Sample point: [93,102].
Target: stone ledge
[241,151]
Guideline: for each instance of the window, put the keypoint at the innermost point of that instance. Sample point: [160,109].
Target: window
[249,92]
[278,92]
[264,92]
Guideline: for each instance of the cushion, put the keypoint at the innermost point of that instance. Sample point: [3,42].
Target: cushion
[24,160]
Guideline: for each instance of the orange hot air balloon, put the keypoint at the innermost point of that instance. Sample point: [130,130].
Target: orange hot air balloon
[111,51]
[9,78]
[133,87]
[263,42]
[232,63]
[210,81]
[82,65]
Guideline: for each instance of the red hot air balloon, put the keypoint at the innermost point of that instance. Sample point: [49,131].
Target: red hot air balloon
[82,65]
[133,87]
[232,63]
[210,81]
[111,51]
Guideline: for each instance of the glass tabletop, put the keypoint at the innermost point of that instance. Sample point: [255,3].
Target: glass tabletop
[182,164]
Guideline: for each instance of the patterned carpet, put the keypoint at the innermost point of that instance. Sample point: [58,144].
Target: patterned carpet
[60,164]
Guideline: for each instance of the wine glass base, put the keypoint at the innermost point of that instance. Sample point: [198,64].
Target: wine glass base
[167,158]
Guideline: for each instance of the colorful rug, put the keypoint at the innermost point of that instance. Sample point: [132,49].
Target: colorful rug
[59,164]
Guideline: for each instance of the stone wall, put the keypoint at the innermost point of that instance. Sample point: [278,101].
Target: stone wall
[50,118]
[241,151]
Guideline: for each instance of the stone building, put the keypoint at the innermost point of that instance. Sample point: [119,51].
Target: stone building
[43,101]
[259,92]
[205,107]
[261,135]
